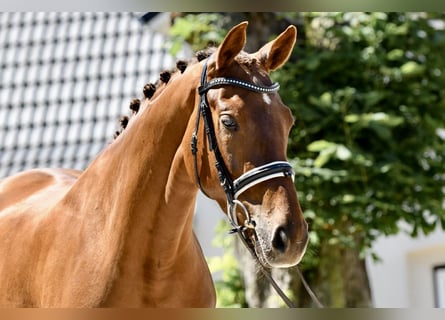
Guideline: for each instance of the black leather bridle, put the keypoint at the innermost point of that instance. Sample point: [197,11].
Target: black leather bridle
[233,188]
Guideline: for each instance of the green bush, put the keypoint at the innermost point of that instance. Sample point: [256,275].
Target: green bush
[230,288]
[368,94]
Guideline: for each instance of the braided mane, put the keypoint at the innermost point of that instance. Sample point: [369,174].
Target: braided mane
[152,90]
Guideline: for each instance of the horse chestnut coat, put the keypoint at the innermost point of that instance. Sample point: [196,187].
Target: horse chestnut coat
[120,232]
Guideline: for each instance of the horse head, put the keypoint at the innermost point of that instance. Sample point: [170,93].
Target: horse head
[241,145]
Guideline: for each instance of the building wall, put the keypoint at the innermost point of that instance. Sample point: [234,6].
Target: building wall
[404,277]
[207,216]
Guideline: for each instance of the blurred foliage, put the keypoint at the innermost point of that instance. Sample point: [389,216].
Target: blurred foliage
[199,30]
[368,146]
[368,93]
[230,288]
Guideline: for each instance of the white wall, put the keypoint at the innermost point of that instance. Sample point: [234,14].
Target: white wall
[404,278]
[207,216]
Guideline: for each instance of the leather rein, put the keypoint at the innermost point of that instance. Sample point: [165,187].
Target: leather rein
[234,188]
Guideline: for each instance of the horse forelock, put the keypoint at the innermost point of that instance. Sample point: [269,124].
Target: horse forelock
[245,66]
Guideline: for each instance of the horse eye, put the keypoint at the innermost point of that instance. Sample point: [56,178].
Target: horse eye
[229,122]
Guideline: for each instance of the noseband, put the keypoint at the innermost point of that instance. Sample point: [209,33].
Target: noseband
[233,188]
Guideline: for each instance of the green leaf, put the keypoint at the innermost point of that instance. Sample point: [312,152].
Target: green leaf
[324,156]
[395,29]
[320,145]
[395,54]
[412,69]
[352,118]
[323,101]
[343,153]
[367,119]
[348,198]
[328,150]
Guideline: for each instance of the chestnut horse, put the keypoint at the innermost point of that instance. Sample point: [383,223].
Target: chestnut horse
[120,232]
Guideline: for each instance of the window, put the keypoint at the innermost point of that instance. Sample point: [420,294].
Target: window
[439,286]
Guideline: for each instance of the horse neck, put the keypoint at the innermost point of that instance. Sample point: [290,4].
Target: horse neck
[138,187]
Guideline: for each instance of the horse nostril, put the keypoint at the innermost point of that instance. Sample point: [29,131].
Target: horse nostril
[280,240]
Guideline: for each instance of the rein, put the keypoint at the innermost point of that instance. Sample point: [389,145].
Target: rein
[234,188]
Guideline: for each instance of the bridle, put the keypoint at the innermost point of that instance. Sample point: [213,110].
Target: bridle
[234,188]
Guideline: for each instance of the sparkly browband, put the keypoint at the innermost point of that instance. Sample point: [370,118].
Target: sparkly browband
[239,83]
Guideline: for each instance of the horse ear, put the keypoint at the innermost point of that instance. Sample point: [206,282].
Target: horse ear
[275,53]
[232,44]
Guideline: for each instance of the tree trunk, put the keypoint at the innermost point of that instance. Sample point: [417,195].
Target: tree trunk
[342,279]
